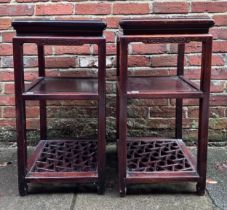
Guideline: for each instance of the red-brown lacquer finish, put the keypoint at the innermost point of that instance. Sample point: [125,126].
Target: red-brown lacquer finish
[148,160]
[72,161]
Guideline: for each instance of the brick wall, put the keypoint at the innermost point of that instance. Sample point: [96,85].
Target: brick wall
[146,117]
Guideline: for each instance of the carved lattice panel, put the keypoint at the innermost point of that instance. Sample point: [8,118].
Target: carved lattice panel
[67,156]
[154,156]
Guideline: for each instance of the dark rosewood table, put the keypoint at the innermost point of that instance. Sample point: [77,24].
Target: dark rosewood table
[157,160]
[72,161]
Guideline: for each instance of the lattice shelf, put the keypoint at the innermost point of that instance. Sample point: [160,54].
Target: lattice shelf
[67,156]
[157,155]
[160,159]
[63,160]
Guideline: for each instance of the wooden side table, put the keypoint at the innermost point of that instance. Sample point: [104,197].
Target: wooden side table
[72,161]
[150,160]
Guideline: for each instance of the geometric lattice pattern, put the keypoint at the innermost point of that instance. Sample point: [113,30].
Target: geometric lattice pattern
[67,156]
[154,156]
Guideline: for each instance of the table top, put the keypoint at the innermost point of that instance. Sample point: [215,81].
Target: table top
[59,27]
[175,25]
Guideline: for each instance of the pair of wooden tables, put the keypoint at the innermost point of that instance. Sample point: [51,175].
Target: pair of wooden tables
[140,160]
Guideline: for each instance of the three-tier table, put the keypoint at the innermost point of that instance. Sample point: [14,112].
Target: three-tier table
[158,160]
[72,161]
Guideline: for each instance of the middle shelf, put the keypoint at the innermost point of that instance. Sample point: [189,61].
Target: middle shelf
[62,88]
[161,87]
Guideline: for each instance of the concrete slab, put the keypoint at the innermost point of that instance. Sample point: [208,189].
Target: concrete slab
[144,197]
[144,202]
[217,178]
[37,202]
[9,198]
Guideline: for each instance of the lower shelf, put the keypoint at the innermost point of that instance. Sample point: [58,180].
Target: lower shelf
[154,160]
[63,160]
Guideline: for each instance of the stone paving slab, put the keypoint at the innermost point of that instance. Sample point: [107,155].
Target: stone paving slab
[9,198]
[217,173]
[37,202]
[144,197]
[143,202]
